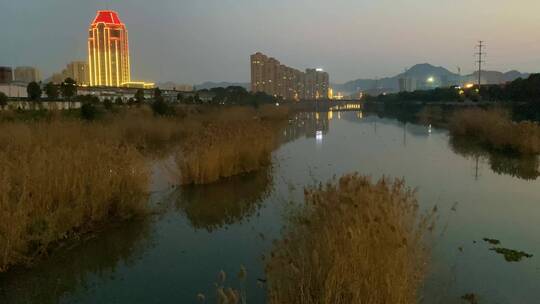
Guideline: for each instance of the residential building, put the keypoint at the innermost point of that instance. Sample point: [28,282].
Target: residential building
[14,90]
[316,84]
[108,50]
[78,71]
[268,75]
[6,74]
[407,84]
[26,74]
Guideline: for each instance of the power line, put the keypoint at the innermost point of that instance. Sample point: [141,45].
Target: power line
[480,55]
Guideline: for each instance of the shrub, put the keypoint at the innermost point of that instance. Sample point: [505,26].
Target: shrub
[88,111]
[160,107]
[107,104]
[3,100]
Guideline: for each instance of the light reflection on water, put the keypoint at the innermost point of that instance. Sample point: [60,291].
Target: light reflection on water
[179,253]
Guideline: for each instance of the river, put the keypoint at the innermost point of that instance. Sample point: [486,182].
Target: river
[177,253]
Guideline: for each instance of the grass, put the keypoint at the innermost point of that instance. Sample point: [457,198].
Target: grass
[354,241]
[495,129]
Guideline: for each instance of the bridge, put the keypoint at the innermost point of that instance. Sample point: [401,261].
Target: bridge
[327,105]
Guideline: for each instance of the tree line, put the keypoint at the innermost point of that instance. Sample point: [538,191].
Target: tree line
[519,90]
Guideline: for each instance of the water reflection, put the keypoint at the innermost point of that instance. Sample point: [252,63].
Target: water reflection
[523,167]
[69,270]
[224,203]
[307,124]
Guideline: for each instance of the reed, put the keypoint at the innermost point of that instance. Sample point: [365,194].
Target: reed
[224,149]
[495,129]
[61,179]
[228,142]
[354,241]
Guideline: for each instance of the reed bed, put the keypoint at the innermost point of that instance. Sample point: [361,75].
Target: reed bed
[60,179]
[229,142]
[224,149]
[353,241]
[495,129]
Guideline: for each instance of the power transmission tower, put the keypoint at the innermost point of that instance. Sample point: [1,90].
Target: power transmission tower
[480,55]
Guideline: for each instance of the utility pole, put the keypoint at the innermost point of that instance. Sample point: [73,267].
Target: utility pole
[481,54]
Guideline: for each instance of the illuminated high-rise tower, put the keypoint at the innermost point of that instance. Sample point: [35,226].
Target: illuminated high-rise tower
[108,50]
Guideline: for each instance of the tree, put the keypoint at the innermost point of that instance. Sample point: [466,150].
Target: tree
[119,101]
[51,90]
[139,96]
[34,91]
[160,107]
[3,100]
[88,111]
[157,93]
[69,88]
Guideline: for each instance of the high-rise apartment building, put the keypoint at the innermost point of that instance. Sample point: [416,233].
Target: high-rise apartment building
[6,74]
[268,75]
[27,74]
[316,84]
[79,71]
[108,51]
[76,70]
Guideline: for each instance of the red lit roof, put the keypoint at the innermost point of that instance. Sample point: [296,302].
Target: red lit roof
[108,17]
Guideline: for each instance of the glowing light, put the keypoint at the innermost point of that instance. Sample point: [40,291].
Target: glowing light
[139,84]
[431,79]
[469,85]
[108,67]
[319,136]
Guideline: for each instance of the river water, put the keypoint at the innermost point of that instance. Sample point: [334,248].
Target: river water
[176,254]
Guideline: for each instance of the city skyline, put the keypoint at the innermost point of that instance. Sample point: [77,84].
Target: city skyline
[187,43]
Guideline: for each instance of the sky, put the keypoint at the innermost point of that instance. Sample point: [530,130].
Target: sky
[192,41]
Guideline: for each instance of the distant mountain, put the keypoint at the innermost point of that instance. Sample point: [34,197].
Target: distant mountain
[495,77]
[422,72]
[211,85]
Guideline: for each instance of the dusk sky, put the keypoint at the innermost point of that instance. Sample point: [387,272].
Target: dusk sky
[191,41]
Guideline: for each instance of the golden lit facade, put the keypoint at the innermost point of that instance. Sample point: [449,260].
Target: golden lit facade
[108,51]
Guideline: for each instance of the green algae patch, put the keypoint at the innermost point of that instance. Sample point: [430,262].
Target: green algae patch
[492,241]
[471,298]
[512,255]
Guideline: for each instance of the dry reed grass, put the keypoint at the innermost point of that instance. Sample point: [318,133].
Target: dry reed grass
[229,142]
[496,129]
[60,179]
[354,241]
[61,176]
[222,150]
